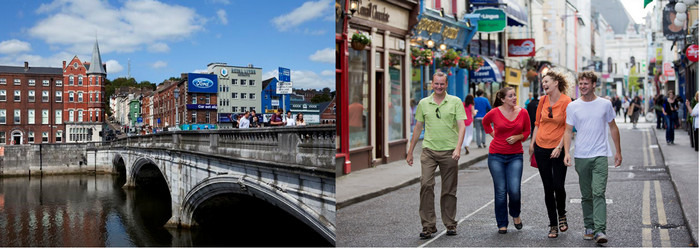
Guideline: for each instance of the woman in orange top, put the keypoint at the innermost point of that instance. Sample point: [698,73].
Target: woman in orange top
[547,145]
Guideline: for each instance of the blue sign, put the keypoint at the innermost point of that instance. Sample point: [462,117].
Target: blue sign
[139,120]
[201,83]
[489,72]
[225,117]
[285,74]
[159,120]
[200,107]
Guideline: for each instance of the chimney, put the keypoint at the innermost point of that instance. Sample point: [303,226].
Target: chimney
[64,65]
[26,66]
[183,76]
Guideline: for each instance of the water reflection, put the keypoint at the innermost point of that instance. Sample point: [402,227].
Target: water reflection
[94,211]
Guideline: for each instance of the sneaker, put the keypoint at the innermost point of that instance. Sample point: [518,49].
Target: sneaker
[601,238]
[588,234]
[428,232]
[451,231]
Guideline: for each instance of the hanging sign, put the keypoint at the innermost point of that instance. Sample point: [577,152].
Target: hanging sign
[668,69]
[491,20]
[521,47]
[692,53]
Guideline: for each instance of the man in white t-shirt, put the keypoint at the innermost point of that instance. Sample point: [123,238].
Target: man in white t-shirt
[244,122]
[592,116]
[289,121]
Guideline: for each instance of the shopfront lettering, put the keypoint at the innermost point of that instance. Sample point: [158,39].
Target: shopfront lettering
[450,32]
[489,17]
[243,72]
[372,11]
[433,26]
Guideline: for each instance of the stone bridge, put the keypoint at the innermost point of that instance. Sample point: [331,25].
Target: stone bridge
[289,167]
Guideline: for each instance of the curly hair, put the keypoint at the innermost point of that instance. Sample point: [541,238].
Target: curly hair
[560,78]
[588,75]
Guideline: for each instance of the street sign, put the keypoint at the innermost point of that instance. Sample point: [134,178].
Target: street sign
[668,69]
[692,53]
[491,20]
[663,78]
[285,74]
[284,87]
[139,120]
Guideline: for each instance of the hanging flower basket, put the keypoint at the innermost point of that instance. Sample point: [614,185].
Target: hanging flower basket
[531,75]
[360,40]
[357,45]
[449,59]
[421,57]
[471,63]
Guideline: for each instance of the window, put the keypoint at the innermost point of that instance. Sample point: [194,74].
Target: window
[32,96]
[234,95]
[97,98]
[234,81]
[59,136]
[194,98]
[234,109]
[3,116]
[44,96]
[194,117]
[75,64]
[243,96]
[80,115]
[44,116]
[3,81]
[89,116]
[71,80]
[30,135]
[97,115]
[58,116]
[17,117]
[71,117]
[59,96]
[80,80]
[80,97]
[30,116]
[242,82]
[2,137]
[18,82]
[252,108]
[3,95]
[59,83]
[207,118]
[70,96]
[242,108]
[208,99]
[45,82]
[18,96]
[251,82]
[91,98]
[252,96]
[44,137]
[32,82]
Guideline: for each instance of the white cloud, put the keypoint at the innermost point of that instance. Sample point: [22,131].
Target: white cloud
[158,47]
[326,55]
[135,25]
[55,60]
[159,64]
[222,16]
[305,79]
[327,73]
[14,46]
[306,12]
[113,66]
[314,32]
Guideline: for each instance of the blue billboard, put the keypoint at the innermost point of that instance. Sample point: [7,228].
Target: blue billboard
[201,83]
[285,74]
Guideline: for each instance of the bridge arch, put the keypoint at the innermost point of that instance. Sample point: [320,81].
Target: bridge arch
[228,184]
[138,167]
[119,164]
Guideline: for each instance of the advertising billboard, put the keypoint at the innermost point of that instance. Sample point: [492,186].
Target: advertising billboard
[671,30]
[201,83]
[521,47]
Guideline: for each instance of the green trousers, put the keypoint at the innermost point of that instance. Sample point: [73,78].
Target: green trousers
[593,179]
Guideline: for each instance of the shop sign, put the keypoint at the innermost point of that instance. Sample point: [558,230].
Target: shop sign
[521,47]
[513,76]
[436,27]
[659,54]
[372,11]
[491,20]
[692,53]
[668,69]
[200,107]
[201,83]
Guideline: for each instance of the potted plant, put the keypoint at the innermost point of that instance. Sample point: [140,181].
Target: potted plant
[360,40]
[421,57]
[449,59]
[471,63]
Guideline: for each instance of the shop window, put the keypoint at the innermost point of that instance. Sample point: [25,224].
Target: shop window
[396,114]
[30,135]
[358,110]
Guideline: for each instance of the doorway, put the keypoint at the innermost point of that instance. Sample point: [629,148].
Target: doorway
[16,137]
[379,118]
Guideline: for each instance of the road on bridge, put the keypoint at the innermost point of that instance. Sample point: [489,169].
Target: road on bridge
[643,208]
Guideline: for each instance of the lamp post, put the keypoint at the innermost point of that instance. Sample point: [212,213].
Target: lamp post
[176,93]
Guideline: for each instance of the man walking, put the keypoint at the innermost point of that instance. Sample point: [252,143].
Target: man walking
[482,106]
[444,117]
[244,123]
[590,114]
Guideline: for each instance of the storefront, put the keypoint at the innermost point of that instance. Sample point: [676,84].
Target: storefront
[488,79]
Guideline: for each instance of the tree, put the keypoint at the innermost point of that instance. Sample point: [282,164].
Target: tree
[320,98]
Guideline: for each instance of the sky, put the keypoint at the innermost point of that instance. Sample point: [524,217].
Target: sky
[637,10]
[163,39]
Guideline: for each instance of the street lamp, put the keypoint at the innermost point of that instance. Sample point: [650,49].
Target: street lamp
[176,93]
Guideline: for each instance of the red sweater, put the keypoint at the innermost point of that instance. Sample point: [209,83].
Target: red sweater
[504,129]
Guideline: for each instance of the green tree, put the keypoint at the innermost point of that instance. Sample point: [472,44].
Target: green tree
[320,98]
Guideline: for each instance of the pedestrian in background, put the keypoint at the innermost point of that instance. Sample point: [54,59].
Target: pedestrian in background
[694,115]
[671,113]
[625,107]
[289,120]
[443,115]
[482,107]
[511,126]
[244,122]
[636,107]
[659,109]
[532,111]
[548,142]
[300,120]
[529,98]
[617,104]
[255,123]
[276,119]
[469,122]
[590,114]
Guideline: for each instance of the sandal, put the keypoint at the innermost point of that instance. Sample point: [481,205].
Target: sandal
[563,226]
[553,232]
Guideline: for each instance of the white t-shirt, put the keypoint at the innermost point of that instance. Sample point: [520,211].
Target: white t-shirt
[591,121]
[290,121]
[244,123]
[694,113]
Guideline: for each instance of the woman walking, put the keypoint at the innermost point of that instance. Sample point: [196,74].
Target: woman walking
[511,126]
[469,132]
[671,114]
[636,106]
[547,145]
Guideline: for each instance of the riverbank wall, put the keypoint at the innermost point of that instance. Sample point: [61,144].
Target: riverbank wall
[38,159]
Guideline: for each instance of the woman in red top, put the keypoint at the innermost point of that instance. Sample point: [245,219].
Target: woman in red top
[511,126]
[469,132]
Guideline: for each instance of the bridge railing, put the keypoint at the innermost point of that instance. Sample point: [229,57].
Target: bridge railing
[299,146]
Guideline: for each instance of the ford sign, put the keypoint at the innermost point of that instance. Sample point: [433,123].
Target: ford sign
[202,82]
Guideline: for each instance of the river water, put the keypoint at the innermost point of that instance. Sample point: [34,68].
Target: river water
[94,211]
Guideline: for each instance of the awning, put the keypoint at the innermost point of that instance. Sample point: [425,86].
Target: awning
[489,72]
[517,14]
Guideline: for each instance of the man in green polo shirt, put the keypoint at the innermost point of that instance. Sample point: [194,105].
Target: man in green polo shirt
[443,116]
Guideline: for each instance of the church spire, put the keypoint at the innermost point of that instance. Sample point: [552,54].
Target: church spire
[96,62]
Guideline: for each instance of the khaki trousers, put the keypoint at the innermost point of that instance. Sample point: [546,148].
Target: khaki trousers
[429,161]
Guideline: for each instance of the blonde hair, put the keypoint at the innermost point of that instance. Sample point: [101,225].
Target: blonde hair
[564,79]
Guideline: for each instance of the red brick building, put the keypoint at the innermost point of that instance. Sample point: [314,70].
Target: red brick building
[192,108]
[31,105]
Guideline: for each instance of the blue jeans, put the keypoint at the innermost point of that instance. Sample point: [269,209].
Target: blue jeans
[670,122]
[479,132]
[506,171]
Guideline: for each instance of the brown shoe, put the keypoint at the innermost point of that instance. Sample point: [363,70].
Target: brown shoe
[428,232]
[451,231]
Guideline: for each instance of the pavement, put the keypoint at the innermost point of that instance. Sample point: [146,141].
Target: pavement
[680,159]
